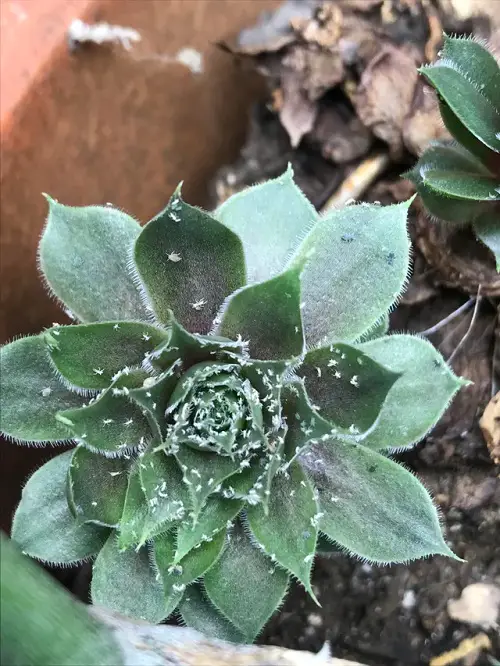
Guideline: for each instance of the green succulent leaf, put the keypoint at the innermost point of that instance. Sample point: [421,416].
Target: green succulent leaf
[177,575]
[203,472]
[348,387]
[289,530]
[466,100]
[487,228]
[304,424]
[453,159]
[267,315]
[90,355]
[378,329]
[271,219]
[480,66]
[358,261]
[111,424]
[97,487]
[166,494]
[200,614]
[462,185]
[30,394]
[490,158]
[43,525]
[155,393]
[372,506]
[261,588]
[418,398]
[216,516]
[125,582]
[84,255]
[135,510]
[194,349]
[189,263]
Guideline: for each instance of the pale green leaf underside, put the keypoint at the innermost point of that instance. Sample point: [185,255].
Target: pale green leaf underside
[487,228]
[30,393]
[372,506]
[267,315]
[89,355]
[244,585]
[189,263]
[418,398]
[200,614]
[97,486]
[271,219]
[43,525]
[357,265]
[84,255]
[289,531]
[125,582]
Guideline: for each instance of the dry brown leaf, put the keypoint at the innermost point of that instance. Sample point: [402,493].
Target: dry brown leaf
[490,427]
[297,112]
[338,134]
[385,94]
[423,124]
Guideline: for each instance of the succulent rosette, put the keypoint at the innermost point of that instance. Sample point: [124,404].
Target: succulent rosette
[232,397]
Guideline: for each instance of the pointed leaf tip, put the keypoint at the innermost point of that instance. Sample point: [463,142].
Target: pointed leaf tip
[231,592]
[372,506]
[271,218]
[418,398]
[188,263]
[75,238]
[268,315]
[358,269]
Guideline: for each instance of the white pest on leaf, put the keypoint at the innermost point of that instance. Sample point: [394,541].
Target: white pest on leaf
[198,305]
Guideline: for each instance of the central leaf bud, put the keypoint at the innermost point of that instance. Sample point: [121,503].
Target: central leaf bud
[215,408]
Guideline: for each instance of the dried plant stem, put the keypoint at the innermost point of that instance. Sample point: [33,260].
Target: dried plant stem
[359,180]
[471,326]
[453,315]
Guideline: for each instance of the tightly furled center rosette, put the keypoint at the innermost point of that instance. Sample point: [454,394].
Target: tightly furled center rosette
[232,397]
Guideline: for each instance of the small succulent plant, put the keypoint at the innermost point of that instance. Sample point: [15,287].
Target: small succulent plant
[232,396]
[459,181]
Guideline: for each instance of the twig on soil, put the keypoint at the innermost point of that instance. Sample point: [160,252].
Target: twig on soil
[453,315]
[358,181]
[467,647]
[471,326]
